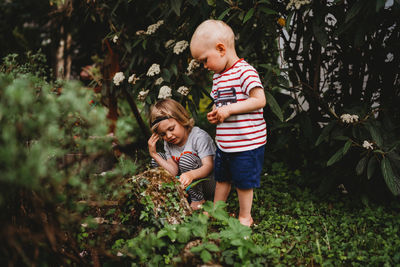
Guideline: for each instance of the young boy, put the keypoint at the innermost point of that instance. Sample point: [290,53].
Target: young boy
[238,113]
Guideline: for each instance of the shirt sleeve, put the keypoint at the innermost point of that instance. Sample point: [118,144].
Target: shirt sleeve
[204,145]
[249,79]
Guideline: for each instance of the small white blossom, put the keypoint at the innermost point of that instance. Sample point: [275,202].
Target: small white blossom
[183,90]
[84,225]
[119,254]
[133,79]
[297,4]
[142,95]
[153,27]
[168,43]
[153,70]
[180,46]
[159,81]
[165,91]
[118,78]
[347,118]
[115,38]
[246,237]
[367,145]
[193,64]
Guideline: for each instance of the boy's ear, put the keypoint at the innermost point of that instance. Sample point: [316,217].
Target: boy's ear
[221,48]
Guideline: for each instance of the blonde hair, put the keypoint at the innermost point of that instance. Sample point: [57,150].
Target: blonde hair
[169,109]
[213,31]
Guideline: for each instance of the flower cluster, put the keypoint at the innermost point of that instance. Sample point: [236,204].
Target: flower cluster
[183,90]
[153,27]
[142,95]
[368,145]
[297,4]
[180,46]
[347,118]
[193,64]
[165,92]
[153,70]
[118,78]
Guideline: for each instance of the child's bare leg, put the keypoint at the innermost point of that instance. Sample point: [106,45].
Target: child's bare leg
[245,202]
[195,205]
[222,190]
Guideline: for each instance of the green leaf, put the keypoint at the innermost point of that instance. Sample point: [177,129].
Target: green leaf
[325,132]
[392,182]
[354,10]
[223,14]
[183,234]
[205,256]
[336,157]
[249,14]
[375,134]
[211,247]
[371,167]
[288,21]
[346,147]
[361,165]
[268,11]
[176,6]
[274,105]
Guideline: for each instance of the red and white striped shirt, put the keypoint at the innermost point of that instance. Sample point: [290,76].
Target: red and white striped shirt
[240,132]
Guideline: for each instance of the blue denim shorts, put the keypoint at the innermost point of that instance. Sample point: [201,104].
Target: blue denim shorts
[242,169]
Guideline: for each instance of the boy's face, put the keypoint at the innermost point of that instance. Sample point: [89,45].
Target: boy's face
[173,132]
[212,57]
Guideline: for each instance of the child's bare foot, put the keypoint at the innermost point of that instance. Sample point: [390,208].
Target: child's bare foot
[246,221]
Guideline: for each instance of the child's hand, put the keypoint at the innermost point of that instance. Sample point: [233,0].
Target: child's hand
[186,179]
[152,144]
[211,117]
[222,113]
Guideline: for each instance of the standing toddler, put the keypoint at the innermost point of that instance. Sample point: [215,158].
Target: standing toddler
[238,113]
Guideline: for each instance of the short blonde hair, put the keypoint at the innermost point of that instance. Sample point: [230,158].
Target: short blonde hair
[214,31]
[169,109]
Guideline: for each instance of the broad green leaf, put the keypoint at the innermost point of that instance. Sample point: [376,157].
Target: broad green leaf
[336,157]
[347,146]
[211,247]
[223,14]
[249,14]
[289,20]
[320,33]
[361,165]
[183,234]
[391,180]
[371,167]
[205,256]
[274,105]
[375,134]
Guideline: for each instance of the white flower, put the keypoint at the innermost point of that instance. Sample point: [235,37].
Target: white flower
[159,81]
[368,145]
[118,78]
[132,79]
[246,237]
[165,92]
[142,95]
[119,254]
[168,43]
[183,90]
[297,4]
[347,118]
[153,70]
[153,27]
[180,46]
[115,38]
[193,64]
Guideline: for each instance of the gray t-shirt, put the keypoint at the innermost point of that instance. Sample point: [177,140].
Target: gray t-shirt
[199,142]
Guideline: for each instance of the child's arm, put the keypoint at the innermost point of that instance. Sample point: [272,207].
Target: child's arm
[170,165]
[207,166]
[255,101]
